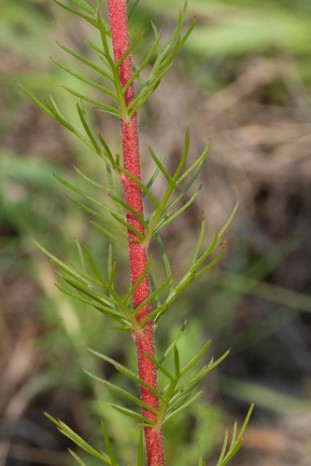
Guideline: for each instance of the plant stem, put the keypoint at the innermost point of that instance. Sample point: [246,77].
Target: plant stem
[143,337]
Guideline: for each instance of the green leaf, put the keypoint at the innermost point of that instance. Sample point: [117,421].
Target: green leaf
[36,101]
[81,256]
[90,180]
[196,358]
[99,298]
[165,260]
[120,391]
[176,363]
[62,266]
[162,64]
[110,235]
[134,42]
[86,62]
[128,226]
[83,5]
[76,12]
[201,461]
[89,198]
[57,115]
[103,107]
[223,449]
[211,264]
[196,166]
[236,442]
[159,366]
[76,457]
[145,190]
[140,456]
[176,214]
[108,444]
[200,240]
[133,414]
[193,382]
[132,289]
[130,209]
[79,440]
[83,79]
[155,174]
[108,311]
[160,166]
[144,63]
[126,372]
[151,296]
[184,404]
[111,267]
[230,218]
[174,342]
[81,113]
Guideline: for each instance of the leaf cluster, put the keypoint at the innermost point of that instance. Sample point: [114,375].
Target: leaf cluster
[105,69]
[176,394]
[88,283]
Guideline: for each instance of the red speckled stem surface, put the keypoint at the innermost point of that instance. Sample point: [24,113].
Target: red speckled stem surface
[144,339]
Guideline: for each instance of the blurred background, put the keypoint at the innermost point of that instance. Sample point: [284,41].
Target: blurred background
[242,80]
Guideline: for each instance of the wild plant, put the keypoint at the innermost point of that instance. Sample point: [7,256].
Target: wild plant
[121,218]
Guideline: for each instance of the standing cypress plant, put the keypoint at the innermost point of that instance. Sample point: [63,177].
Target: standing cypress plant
[138,310]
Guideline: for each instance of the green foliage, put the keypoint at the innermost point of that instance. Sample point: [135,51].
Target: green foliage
[88,283]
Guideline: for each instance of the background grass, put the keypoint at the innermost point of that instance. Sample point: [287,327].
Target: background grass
[242,80]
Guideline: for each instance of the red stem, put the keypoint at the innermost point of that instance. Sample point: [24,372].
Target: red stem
[144,338]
